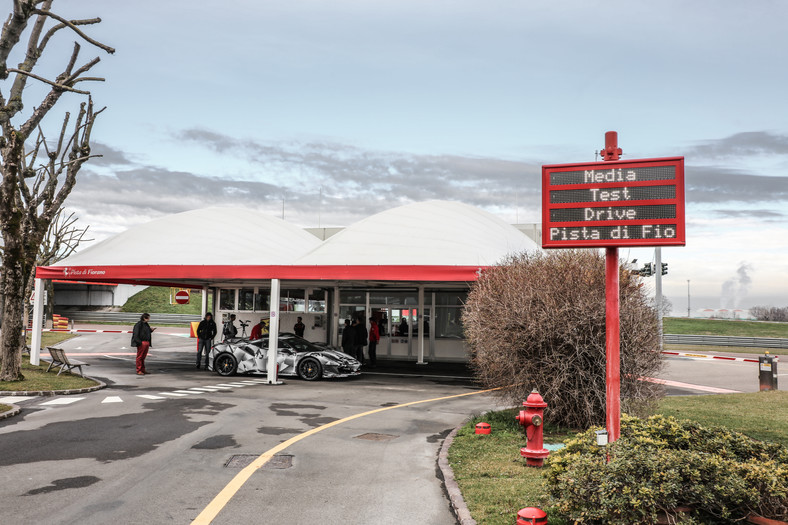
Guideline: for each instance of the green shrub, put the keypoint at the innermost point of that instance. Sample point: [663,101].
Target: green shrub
[662,464]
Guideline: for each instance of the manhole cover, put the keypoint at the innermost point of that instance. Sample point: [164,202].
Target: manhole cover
[240,460]
[280,461]
[376,437]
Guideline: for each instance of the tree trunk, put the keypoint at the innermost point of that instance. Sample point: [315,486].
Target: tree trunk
[11,337]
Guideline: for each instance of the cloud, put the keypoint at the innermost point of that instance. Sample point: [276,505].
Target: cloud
[706,184]
[107,155]
[741,145]
[351,176]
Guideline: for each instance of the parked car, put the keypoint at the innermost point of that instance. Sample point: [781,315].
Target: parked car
[295,356]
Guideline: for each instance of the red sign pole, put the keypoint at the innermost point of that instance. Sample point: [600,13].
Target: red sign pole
[612,340]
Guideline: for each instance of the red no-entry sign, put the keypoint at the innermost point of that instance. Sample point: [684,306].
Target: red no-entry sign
[182,297]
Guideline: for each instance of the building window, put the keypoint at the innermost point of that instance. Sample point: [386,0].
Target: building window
[291,301]
[448,314]
[246,299]
[262,301]
[317,300]
[226,299]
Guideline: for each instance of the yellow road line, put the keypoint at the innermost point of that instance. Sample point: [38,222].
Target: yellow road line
[221,499]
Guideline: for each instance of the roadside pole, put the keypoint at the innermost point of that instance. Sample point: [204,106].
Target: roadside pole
[612,321]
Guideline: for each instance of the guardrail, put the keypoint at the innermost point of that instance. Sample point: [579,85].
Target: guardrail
[720,340]
[130,318]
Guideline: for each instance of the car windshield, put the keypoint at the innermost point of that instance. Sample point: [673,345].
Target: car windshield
[291,342]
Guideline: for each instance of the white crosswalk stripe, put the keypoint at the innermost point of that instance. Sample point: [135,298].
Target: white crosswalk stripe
[205,389]
[183,392]
[15,400]
[173,394]
[112,399]
[63,401]
[150,396]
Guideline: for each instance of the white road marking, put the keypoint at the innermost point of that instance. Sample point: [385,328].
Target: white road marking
[205,389]
[227,385]
[150,396]
[173,394]
[112,399]
[63,401]
[221,387]
[15,400]
[183,392]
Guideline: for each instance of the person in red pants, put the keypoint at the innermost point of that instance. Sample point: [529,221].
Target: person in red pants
[141,338]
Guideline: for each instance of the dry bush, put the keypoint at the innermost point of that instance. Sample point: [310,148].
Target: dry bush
[538,321]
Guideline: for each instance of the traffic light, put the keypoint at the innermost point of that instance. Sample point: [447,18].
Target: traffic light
[664,268]
[647,270]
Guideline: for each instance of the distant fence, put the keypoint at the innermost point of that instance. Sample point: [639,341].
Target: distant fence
[130,318]
[721,340]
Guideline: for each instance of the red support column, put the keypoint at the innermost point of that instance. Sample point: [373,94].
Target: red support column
[612,345]
[612,333]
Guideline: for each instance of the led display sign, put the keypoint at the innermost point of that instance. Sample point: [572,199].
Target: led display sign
[616,203]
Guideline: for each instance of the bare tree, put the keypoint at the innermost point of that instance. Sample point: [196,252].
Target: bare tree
[37,176]
[538,321]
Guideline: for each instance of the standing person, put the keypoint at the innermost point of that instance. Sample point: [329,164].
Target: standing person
[141,338]
[359,338]
[347,339]
[374,337]
[206,331]
[229,331]
[299,328]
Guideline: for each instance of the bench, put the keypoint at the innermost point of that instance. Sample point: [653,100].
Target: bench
[59,358]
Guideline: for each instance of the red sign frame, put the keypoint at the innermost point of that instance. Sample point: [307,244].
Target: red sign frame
[620,224]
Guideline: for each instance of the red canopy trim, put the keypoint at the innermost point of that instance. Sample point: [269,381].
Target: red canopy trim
[154,274]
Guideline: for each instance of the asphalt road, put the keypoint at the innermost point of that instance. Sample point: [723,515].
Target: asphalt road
[113,456]
[156,449]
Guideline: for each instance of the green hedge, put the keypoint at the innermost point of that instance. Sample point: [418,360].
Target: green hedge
[664,464]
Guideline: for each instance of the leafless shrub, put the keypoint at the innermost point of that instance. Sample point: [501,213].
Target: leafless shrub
[538,321]
[769,313]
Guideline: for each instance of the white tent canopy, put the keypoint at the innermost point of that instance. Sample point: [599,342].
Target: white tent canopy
[209,236]
[431,233]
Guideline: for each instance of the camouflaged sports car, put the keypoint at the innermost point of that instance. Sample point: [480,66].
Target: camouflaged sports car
[296,357]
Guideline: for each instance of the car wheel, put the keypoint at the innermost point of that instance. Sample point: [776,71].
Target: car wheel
[225,364]
[309,369]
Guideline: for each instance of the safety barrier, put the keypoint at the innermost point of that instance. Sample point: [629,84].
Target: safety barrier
[130,318]
[720,340]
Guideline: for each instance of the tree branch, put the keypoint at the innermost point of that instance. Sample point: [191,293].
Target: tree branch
[45,81]
[73,26]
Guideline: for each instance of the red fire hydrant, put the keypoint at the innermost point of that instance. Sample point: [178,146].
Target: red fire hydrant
[532,418]
[531,516]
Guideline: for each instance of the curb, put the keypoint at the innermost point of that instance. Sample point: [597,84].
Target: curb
[10,413]
[85,390]
[455,496]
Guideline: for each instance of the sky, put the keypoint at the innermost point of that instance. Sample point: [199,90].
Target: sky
[328,112]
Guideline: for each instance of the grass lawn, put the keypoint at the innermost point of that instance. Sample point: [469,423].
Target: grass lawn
[492,475]
[495,482]
[681,325]
[156,299]
[760,415]
[37,379]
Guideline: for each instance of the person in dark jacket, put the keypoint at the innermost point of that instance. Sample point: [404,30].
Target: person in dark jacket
[141,338]
[299,328]
[229,331]
[206,331]
[359,338]
[348,339]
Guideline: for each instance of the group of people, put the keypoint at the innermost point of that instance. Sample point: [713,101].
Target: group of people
[355,337]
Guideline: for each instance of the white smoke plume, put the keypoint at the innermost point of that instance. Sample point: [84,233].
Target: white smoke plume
[735,289]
